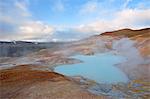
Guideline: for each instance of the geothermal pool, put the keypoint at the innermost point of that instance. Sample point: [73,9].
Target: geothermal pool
[100,68]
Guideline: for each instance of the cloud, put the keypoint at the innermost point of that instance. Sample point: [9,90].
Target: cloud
[59,6]
[133,18]
[126,18]
[126,3]
[22,7]
[94,17]
[34,29]
[14,13]
[89,7]
[16,23]
[31,30]
[67,35]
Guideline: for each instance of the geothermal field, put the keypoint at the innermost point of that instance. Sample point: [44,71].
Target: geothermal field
[111,65]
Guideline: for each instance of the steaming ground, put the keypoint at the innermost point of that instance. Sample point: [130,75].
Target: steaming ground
[126,48]
[32,71]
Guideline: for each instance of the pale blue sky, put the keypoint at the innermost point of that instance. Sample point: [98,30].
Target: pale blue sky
[69,19]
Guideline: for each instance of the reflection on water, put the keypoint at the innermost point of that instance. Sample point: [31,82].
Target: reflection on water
[99,67]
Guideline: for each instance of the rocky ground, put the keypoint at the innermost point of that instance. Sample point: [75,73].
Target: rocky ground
[31,76]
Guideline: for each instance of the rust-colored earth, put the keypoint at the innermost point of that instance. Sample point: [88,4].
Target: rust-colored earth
[22,82]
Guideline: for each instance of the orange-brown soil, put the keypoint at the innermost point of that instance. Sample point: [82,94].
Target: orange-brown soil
[23,82]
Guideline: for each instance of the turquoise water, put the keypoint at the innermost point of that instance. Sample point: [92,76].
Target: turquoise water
[99,67]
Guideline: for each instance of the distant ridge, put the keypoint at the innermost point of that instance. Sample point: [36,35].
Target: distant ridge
[129,32]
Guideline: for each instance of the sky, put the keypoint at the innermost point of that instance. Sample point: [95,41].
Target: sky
[67,20]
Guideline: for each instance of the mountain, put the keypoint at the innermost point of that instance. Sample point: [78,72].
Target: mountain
[142,38]
[20,48]
[129,33]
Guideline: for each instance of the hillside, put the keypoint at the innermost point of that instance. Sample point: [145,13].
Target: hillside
[129,33]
